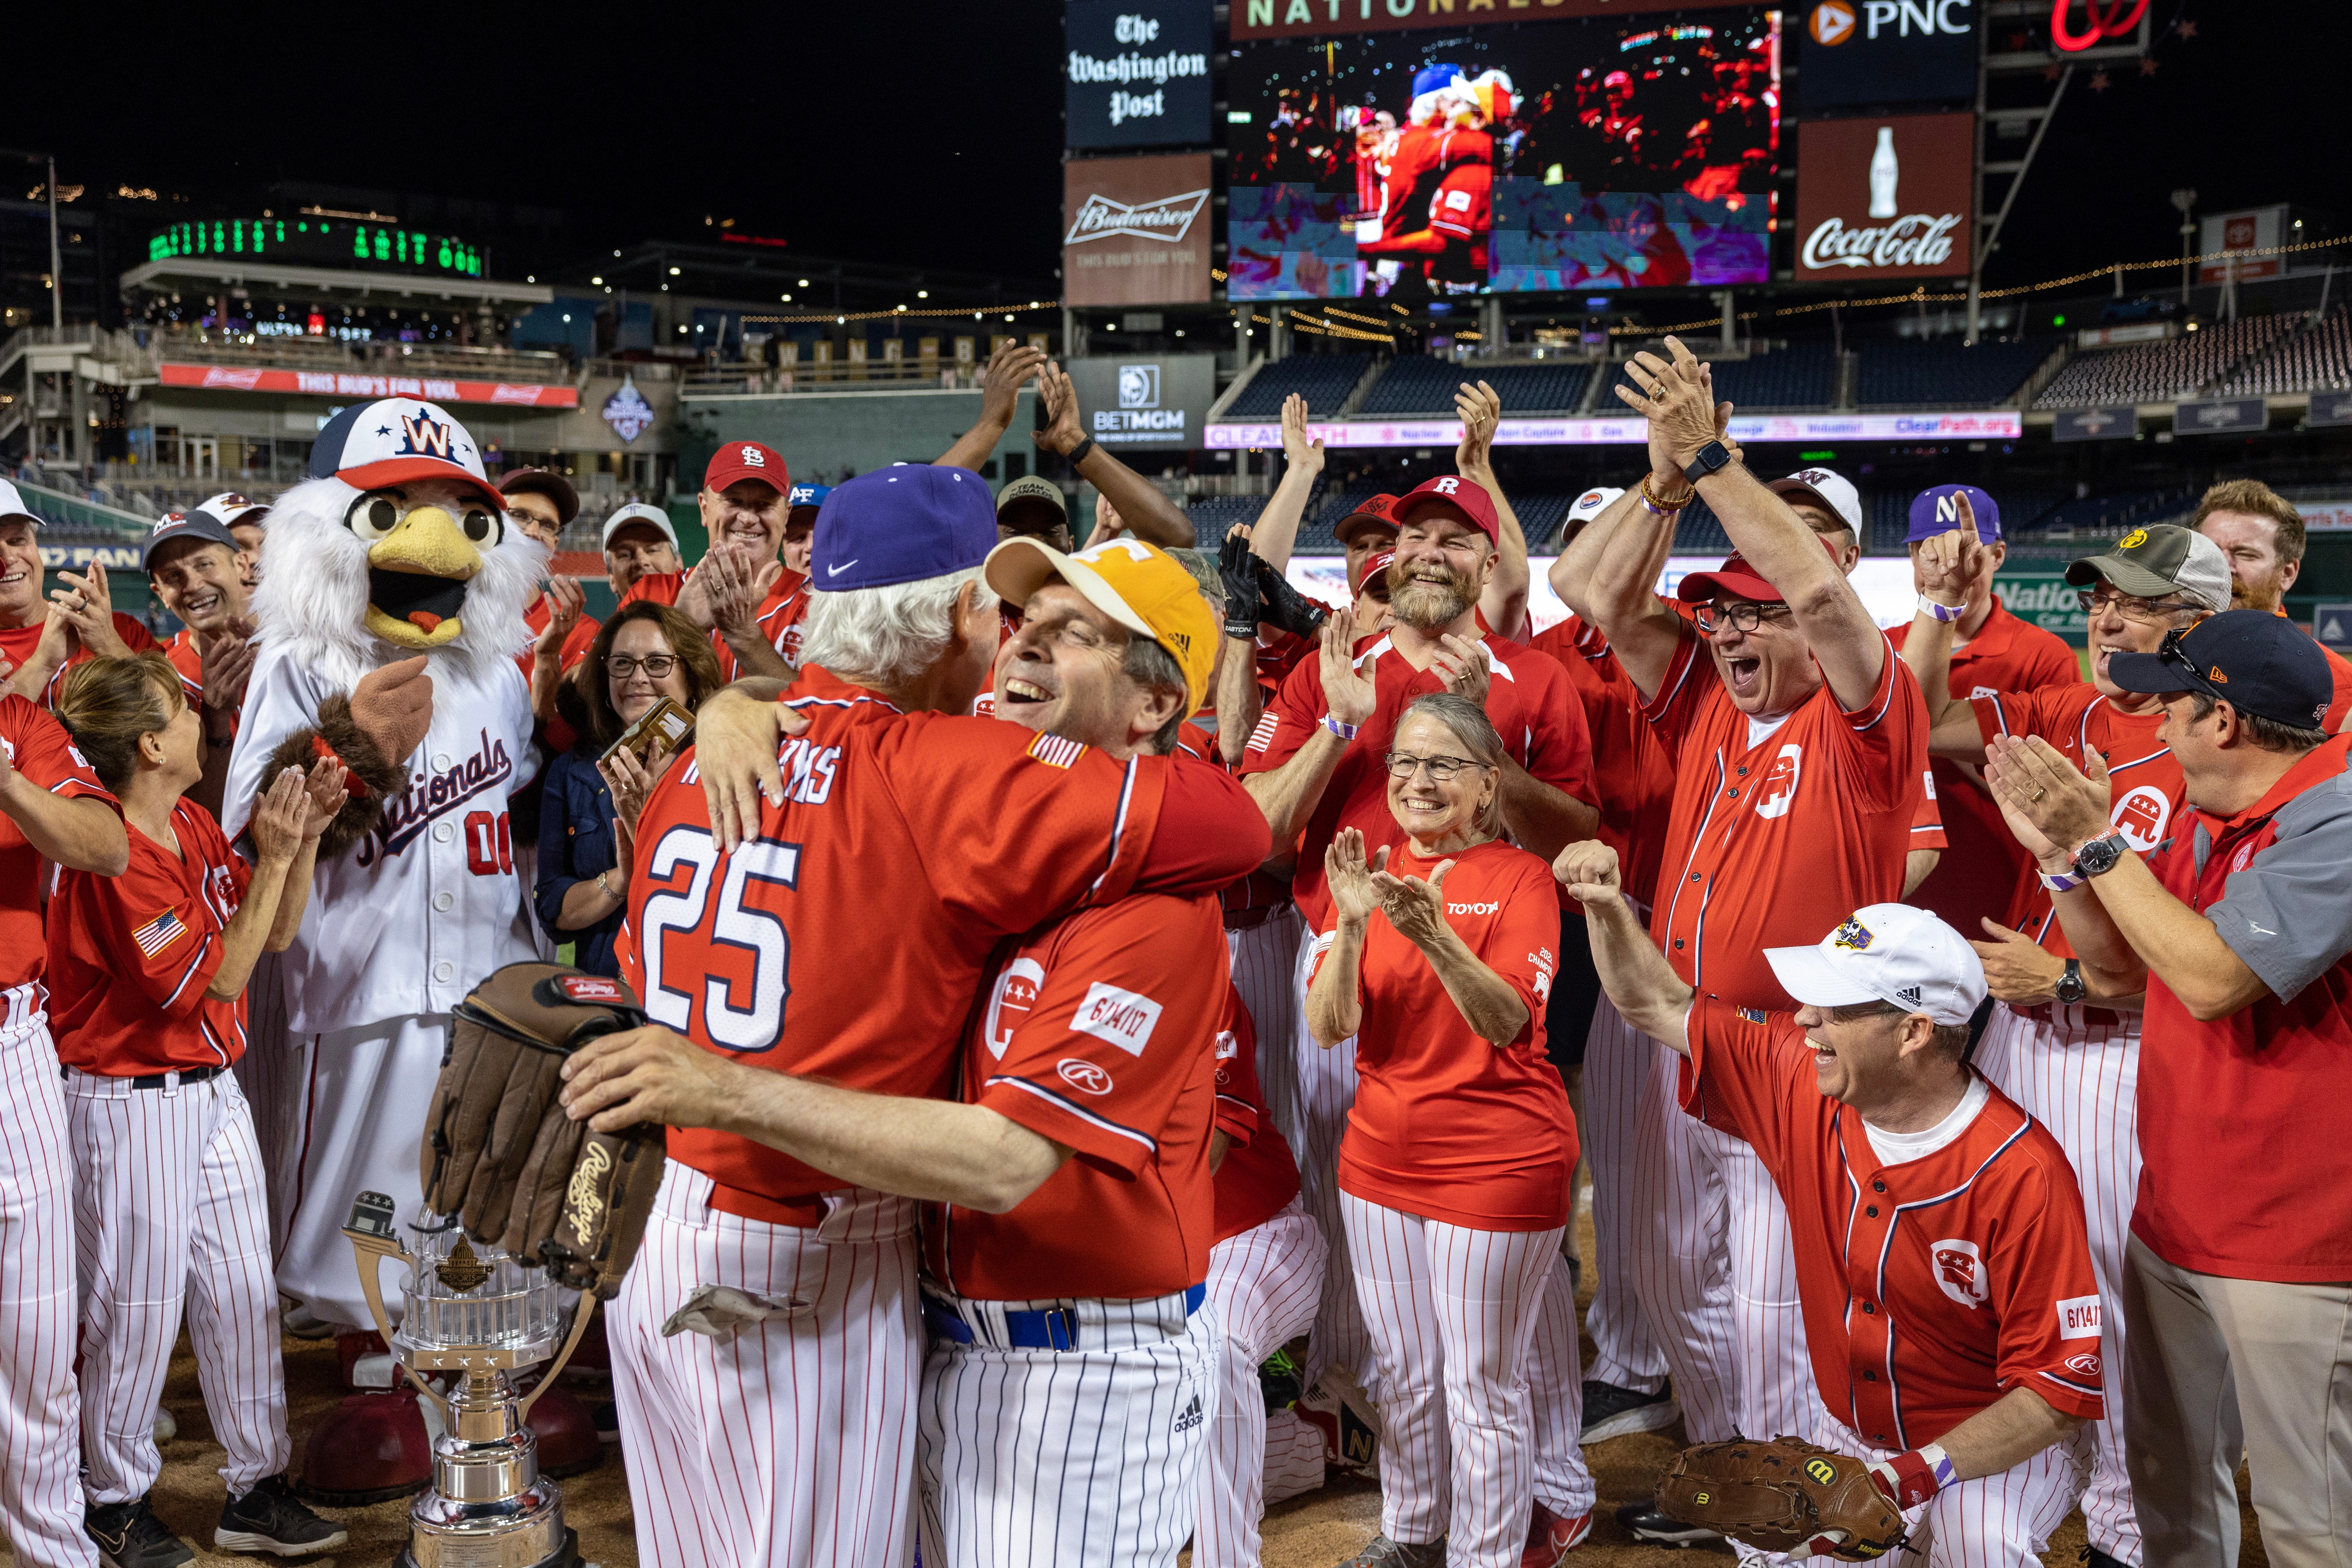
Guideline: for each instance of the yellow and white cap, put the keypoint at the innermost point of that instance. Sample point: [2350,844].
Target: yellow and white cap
[1138,585]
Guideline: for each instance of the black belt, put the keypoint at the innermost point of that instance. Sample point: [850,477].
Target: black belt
[154,1079]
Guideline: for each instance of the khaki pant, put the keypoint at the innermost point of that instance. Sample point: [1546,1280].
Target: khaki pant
[2215,1368]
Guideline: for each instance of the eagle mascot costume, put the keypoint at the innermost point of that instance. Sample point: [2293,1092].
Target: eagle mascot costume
[391,605]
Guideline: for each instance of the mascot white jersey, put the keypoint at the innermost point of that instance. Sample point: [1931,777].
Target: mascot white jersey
[392,598]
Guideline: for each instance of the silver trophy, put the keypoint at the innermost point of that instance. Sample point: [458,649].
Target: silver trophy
[483,1317]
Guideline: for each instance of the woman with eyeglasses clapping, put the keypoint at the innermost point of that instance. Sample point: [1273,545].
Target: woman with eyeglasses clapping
[1455,1170]
[647,652]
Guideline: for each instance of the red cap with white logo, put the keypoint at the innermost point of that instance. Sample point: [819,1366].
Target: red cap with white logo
[1450,495]
[746,460]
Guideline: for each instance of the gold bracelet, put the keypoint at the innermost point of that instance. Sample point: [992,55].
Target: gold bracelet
[1661,506]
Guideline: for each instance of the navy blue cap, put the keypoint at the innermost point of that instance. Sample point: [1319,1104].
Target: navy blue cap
[1934,511]
[2255,661]
[901,524]
[173,526]
[801,496]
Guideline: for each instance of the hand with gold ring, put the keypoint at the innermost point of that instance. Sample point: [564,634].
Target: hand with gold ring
[2032,780]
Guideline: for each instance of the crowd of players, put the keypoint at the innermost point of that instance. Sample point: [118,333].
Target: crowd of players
[1088,974]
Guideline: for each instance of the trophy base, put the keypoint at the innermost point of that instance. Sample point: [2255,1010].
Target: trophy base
[485,1554]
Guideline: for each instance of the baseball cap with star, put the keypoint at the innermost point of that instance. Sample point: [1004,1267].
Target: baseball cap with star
[375,445]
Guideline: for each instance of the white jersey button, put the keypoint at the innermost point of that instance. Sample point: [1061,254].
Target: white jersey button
[440,761]
[444,970]
[443,900]
[442,832]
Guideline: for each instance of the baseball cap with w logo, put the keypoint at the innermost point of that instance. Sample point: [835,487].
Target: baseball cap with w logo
[372,446]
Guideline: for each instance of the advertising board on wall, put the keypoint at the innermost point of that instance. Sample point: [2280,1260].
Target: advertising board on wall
[1856,52]
[2229,233]
[1136,73]
[1303,18]
[1885,196]
[1137,230]
[1145,400]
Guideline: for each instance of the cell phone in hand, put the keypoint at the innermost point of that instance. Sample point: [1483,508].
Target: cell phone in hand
[664,724]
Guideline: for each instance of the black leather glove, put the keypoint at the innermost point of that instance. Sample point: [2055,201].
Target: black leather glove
[1239,568]
[1285,606]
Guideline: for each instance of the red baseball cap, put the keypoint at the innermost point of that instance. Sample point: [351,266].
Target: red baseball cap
[1372,513]
[746,460]
[1375,580]
[1735,579]
[1466,497]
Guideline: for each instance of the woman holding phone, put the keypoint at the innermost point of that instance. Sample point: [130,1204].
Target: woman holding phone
[594,792]
[1455,1170]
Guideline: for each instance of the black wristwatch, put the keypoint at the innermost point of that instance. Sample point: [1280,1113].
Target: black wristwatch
[2069,988]
[2100,854]
[1078,454]
[1709,458]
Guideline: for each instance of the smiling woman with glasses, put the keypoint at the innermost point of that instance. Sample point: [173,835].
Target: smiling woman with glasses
[1454,1169]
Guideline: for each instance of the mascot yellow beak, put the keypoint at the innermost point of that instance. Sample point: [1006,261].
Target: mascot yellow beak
[416,580]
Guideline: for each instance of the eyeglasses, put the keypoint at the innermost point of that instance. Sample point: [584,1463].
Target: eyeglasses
[656,666]
[1745,617]
[1404,765]
[2148,612]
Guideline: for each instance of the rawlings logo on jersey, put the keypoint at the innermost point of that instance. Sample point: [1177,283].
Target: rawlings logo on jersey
[2140,817]
[1960,1272]
[1123,1018]
[429,795]
[1778,791]
[2086,1363]
[2080,1318]
[1010,1003]
[1084,1076]
[1853,936]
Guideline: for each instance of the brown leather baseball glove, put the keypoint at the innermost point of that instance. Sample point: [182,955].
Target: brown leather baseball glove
[1782,1495]
[501,1158]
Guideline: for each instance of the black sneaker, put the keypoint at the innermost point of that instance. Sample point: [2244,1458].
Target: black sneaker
[268,1519]
[1647,1523]
[1613,1411]
[2091,1557]
[128,1535]
[607,1417]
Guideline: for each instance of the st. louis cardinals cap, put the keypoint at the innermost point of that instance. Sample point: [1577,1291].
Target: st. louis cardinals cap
[637,511]
[2156,562]
[1833,490]
[1587,507]
[1450,492]
[1139,586]
[737,460]
[234,509]
[549,483]
[375,445]
[804,497]
[1372,512]
[13,505]
[1937,509]
[175,526]
[2257,662]
[1886,953]
[902,524]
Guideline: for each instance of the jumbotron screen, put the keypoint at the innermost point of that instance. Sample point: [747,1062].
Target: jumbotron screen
[1632,153]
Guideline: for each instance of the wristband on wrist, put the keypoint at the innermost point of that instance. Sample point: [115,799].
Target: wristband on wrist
[1345,732]
[1078,453]
[2061,881]
[1942,612]
[352,785]
[1664,506]
[1910,1478]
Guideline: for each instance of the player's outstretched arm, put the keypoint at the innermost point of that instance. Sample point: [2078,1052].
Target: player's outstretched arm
[1276,533]
[1148,514]
[81,834]
[1946,567]
[1505,601]
[999,400]
[1640,983]
[736,733]
[928,1150]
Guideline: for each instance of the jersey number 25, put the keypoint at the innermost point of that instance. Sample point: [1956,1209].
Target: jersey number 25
[728,957]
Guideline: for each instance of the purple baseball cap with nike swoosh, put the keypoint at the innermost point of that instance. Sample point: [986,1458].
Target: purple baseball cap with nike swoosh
[901,524]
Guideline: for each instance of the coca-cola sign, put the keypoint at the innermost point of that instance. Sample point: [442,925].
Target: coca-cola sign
[1885,196]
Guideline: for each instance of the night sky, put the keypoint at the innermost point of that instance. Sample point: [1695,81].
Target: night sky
[930,133]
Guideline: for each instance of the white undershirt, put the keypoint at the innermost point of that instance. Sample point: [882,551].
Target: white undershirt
[1757,729]
[1901,1148]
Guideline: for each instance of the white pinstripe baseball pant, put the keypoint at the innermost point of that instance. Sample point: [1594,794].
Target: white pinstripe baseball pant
[270,1073]
[1556,1389]
[1617,1063]
[2001,1520]
[1682,1271]
[40,1404]
[2081,1080]
[1262,1286]
[170,1215]
[793,1441]
[1453,1315]
[1264,962]
[1089,1457]
[1327,1088]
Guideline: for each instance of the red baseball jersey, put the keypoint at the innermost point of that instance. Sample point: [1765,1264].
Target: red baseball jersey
[1412,159]
[1099,1034]
[1259,1176]
[1779,832]
[576,642]
[38,748]
[1527,696]
[1446,1125]
[780,618]
[1932,1287]
[1979,875]
[848,941]
[1632,775]
[17,643]
[189,660]
[2144,789]
[130,956]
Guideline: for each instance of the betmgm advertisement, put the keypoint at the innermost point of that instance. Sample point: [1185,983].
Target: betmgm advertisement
[1138,401]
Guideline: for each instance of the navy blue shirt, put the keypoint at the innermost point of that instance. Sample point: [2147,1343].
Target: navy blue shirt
[575,842]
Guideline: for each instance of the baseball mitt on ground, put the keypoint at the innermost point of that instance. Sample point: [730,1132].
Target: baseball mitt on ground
[500,1155]
[1781,1495]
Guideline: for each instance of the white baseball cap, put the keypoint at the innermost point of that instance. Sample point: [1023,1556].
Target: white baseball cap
[13,505]
[1830,487]
[1886,953]
[1587,507]
[637,511]
[371,445]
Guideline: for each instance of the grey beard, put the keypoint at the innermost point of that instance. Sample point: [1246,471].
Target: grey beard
[1425,607]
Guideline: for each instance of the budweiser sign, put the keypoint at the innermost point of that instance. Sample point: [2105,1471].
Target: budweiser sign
[1885,196]
[1914,241]
[1169,218]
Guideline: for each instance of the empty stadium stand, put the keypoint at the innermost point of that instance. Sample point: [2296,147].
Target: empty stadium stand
[1803,375]
[2315,360]
[1324,379]
[1420,383]
[1944,372]
[2162,372]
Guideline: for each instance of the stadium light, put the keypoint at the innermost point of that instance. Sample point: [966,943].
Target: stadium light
[926,293]
[674,271]
[599,282]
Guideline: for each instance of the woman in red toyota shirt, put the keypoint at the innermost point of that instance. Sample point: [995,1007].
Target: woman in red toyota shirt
[1455,1171]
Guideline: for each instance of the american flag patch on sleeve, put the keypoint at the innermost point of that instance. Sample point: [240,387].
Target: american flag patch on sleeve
[1263,736]
[1055,751]
[158,933]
